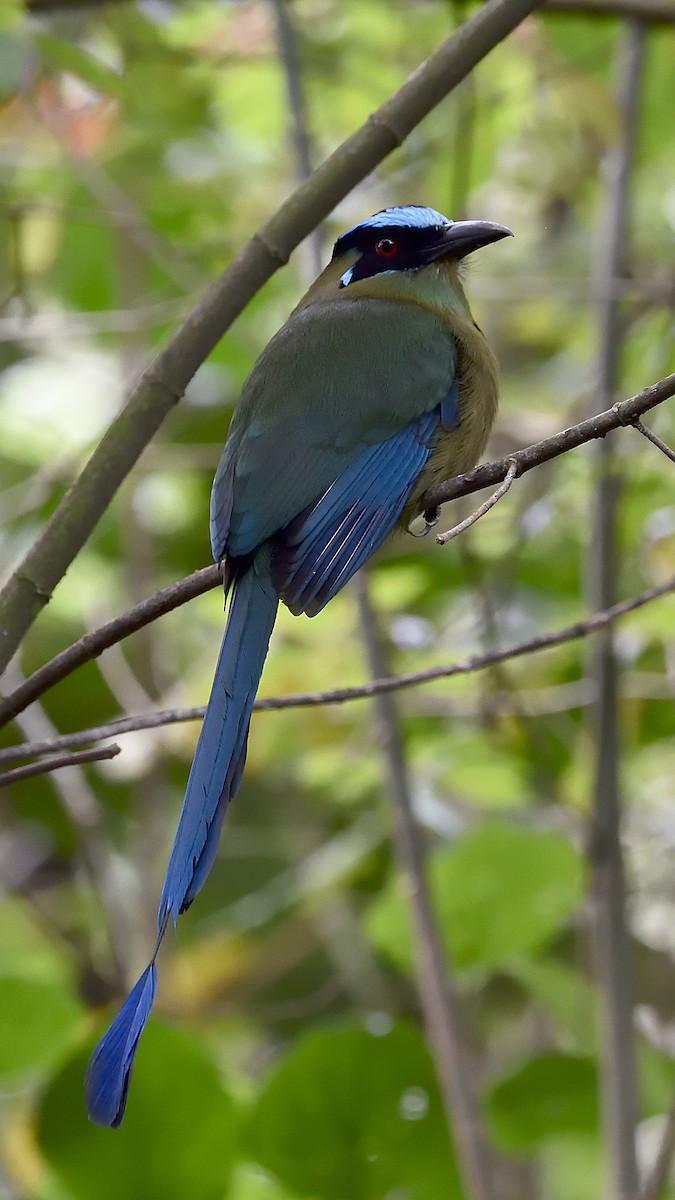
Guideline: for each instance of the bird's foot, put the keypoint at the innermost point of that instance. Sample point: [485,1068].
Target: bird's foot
[430,516]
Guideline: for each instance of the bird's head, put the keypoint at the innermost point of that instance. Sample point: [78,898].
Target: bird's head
[408,239]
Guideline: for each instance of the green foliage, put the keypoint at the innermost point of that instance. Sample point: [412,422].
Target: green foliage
[500,892]
[37,1021]
[67,56]
[549,1096]
[564,992]
[142,145]
[176,1139]
[353,1113]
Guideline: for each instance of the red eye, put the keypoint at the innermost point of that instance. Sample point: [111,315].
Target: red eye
[386,248]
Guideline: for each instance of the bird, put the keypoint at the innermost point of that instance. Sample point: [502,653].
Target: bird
[378,386]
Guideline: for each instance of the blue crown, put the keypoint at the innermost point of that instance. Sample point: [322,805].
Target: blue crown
[414,216]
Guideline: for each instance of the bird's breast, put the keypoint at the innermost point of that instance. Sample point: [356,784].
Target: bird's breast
[460,449]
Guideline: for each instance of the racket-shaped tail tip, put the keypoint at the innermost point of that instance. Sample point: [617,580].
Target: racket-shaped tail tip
[110,1066]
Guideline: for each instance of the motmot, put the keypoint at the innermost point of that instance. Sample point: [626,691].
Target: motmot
[379,385]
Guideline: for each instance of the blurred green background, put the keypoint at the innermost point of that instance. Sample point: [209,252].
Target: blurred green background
[141,145]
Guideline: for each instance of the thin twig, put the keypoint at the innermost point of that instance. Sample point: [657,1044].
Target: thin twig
[93,644]
[436,988]
[655,440]
[443,538]
[657,1178]
[619,1084]
[467,666]
[163,383]
[98,733]
[95,754]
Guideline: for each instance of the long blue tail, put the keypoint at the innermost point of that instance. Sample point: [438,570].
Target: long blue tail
[214,778]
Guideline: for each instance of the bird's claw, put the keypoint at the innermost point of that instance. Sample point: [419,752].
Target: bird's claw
[431,518]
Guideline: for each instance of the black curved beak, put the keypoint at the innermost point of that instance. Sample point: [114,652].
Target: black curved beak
[463,237]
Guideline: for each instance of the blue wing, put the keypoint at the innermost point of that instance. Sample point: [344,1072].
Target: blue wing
[336,381]
[315,555]
[450,407]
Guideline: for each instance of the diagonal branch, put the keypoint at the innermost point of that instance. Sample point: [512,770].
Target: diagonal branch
[93,644]
[164,381]
[624,413]
[467,666]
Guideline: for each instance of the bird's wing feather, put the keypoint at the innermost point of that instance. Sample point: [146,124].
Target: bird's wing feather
[337,379]
[450,407]
[325,545]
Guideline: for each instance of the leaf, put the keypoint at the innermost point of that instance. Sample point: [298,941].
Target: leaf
[37,1021]
[565,992]
[498,892]
[177,1135]
[350,1114]
[550,1095]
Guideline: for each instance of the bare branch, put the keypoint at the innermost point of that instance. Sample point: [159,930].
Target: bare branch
[623,413]
[611,939]
[59,760]
[655,440]
[443,538]
[93,644]
[467,666]
[99,733]
[162,384]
